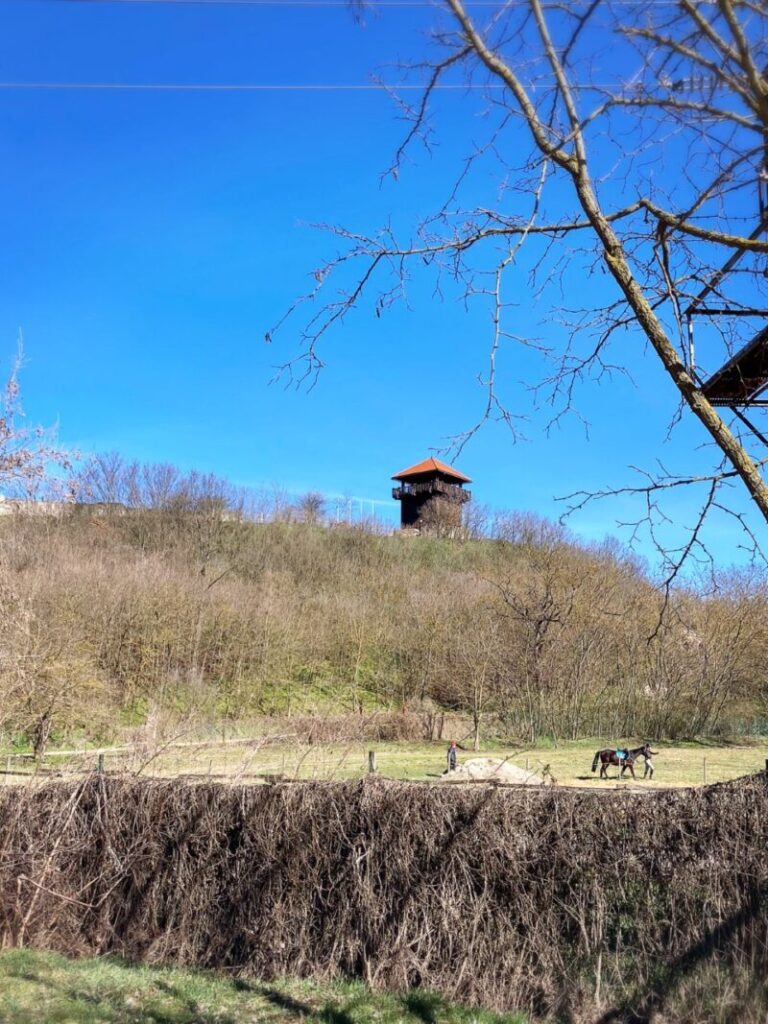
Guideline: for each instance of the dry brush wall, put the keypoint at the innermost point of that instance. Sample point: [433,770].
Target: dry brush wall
[545,900]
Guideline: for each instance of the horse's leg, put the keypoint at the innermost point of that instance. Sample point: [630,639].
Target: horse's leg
[632,770]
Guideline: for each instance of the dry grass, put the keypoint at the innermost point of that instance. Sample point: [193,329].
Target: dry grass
[113,623]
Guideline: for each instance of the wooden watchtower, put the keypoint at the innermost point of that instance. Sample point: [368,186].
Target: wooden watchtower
[431,494]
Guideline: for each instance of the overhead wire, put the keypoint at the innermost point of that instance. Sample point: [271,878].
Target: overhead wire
[240,86]
[280,86]
[405,4]
[386,87]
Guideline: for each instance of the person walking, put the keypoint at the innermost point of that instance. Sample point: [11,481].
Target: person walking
[452,756]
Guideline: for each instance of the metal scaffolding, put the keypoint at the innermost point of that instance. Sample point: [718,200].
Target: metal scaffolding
[742,381]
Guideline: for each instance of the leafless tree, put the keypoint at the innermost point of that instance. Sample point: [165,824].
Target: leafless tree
[311,507]
[29,455]
[638,133]
[37,664]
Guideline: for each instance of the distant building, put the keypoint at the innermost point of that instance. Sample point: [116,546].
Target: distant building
[30,507]
[431,494]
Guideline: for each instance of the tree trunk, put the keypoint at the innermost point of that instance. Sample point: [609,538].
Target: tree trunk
[40,736]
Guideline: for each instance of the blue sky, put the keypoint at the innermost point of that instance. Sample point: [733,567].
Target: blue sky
[150,239]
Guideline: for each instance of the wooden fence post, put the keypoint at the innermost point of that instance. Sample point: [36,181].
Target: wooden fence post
[371,762]
[705,770]
[100,765]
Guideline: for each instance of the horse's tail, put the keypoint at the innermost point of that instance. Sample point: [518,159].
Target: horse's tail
[597,758]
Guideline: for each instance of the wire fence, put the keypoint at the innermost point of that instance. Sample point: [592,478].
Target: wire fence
[282,758]
[261,759]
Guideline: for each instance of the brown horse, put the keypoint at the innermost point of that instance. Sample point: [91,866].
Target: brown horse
[609,756]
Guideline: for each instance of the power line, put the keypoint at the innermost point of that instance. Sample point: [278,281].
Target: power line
[262,87]
[387,87]
[234,87]
[405,4]
[289,3]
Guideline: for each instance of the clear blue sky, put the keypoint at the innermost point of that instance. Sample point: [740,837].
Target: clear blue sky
[150,239]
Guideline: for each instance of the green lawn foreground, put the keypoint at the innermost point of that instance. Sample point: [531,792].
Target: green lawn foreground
[45,988]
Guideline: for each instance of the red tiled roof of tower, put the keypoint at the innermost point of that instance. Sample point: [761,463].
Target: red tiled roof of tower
[431,466]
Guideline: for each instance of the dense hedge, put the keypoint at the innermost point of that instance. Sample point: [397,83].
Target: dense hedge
[554,901]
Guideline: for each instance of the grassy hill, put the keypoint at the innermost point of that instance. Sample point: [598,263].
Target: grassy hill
[115,621]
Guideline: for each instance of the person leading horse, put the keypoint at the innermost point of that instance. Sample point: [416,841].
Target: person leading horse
[623,758]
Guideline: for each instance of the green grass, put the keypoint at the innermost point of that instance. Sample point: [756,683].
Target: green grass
[688,764]
[570,763]
[679,764]
[44,988]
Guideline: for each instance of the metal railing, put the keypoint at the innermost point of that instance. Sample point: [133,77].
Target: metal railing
[454,491]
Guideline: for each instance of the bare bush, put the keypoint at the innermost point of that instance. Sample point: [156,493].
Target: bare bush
[163,613]
[553,902]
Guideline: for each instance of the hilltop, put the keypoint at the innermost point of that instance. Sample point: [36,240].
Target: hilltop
[116,616]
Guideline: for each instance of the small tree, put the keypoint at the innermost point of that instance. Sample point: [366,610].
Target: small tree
[311,508]
[29,455]
[32,683]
